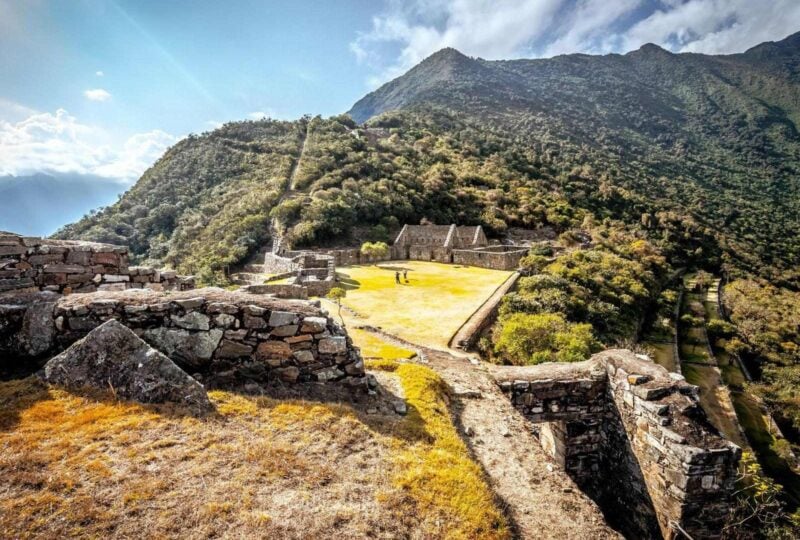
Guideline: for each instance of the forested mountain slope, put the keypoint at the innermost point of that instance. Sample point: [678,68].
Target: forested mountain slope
[714,136]
[701,153]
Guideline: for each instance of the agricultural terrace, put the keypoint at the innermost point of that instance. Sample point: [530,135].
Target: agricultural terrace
[428,309]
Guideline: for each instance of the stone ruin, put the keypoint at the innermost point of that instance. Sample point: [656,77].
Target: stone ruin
[309,273]
[634,438]
[225,339]
[453,244]
[64,266]
[630,434]
[54,293]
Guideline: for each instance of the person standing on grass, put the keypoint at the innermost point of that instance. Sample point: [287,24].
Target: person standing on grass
[405,275]
[397,277]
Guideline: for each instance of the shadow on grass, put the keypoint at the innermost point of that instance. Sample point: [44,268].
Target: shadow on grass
[375,411]
[346,282]
[18,395]
[759,436]
[393,268]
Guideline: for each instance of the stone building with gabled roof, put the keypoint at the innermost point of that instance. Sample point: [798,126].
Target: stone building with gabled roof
[465,245]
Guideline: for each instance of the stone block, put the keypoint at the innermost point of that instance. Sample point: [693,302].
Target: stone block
[233,349]
[254,322]
[192,348]
[333,345]
[112,287]
[284,331]
[289,374]
[273,349]
[299,339]
[313,325]
[192,321]
[190,303]
[225,321]
[115,278]
[282,318]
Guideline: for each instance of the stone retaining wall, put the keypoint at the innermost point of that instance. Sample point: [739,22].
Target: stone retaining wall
[494,257]
[225,338]
[66,266]
[634,437]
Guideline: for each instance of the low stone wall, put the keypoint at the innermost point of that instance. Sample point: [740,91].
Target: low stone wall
[430,253]
[634,437]
[279,290]
[66,266]
[494,257]
[225,338]
[275,264]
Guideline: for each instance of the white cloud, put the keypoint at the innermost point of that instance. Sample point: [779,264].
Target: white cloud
[410,31]
[486,28]
[97,94]
[258,115]
[46,142]
[99,73]
[716,26]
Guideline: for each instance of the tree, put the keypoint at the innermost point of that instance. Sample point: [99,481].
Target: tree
[335,295]
[543,337]
[375,250]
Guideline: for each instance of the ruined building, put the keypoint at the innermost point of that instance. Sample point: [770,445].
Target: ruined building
[454,244]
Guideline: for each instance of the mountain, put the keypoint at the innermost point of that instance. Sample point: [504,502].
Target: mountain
[37,205]
[700,153]
[715,136]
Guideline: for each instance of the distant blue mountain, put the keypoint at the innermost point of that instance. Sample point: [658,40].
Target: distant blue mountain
[39,204]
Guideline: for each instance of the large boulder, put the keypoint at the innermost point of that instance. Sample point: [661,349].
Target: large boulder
[112,357]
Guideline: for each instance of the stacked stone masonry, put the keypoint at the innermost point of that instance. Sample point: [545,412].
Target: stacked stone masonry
[224,338]
[65,266]
[634,438]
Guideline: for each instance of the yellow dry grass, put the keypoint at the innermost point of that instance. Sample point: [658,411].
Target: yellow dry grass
[85,466]
[447,488]
[372,346]
[429,309]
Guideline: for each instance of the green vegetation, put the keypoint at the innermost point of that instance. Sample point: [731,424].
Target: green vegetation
[374,249]
[545,337]
[681,142]
[580,301]
[767,319]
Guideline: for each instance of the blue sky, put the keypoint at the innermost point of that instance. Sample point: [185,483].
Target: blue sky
[103,87]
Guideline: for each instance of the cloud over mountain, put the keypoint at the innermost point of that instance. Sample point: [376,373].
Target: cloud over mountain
[410,31]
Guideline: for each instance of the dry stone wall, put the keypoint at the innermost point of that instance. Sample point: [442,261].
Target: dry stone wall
[494,257]
[225,338]
[66,266]
[634,438]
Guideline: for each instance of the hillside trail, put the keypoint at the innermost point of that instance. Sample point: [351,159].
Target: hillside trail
[537,496]
[252,271]
[275,232]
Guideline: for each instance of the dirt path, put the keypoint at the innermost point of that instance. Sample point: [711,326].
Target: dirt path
[540,499]
[275,232]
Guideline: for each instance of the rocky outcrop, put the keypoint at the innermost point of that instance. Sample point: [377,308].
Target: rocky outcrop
[634,437]
[112,358]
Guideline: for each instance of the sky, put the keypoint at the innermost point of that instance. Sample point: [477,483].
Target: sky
[103,87]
